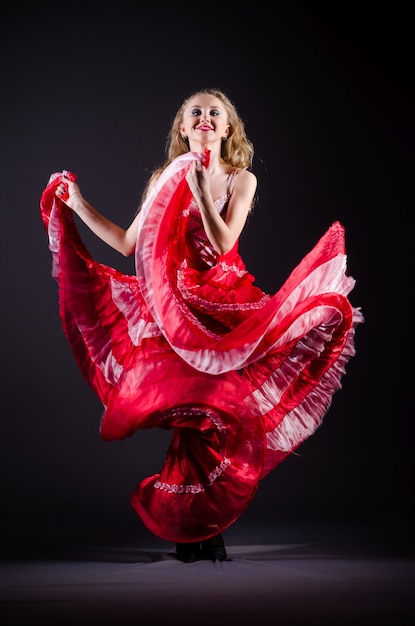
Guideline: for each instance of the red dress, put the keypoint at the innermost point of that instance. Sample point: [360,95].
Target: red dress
[190,343]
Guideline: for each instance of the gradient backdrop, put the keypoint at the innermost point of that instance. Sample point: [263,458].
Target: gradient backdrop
[327,98]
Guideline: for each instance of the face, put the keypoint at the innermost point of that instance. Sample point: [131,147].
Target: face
[205,119]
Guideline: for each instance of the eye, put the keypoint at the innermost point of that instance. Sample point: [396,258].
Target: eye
[214,112]
[195,112]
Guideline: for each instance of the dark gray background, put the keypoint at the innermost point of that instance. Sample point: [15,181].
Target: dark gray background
[327,98]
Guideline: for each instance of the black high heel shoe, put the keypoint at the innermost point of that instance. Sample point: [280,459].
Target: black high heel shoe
[188,552]
[214,549]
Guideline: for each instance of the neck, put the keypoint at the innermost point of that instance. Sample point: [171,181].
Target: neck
[213,147]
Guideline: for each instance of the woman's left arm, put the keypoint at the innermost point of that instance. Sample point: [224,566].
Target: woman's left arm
[221,233]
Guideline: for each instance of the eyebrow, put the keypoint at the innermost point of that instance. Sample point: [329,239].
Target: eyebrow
[200,106]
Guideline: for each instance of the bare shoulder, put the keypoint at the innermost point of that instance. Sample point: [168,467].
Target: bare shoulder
[245,182]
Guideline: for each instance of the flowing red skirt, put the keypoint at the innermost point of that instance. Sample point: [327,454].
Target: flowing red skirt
[240,376]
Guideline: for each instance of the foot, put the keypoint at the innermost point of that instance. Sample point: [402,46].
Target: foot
[188,552]
[214,549]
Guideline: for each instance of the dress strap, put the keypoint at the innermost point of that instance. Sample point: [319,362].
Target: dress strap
[231,179]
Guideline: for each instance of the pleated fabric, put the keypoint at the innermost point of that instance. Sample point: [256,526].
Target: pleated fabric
[190,343]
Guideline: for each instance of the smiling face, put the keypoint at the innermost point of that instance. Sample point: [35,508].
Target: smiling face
[205,120]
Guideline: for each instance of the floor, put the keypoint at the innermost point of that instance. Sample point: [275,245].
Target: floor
[318,573]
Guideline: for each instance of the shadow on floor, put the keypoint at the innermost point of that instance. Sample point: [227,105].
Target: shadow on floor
[317,574]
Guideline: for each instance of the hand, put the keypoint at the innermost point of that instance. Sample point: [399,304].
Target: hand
[67,188]
[198,179]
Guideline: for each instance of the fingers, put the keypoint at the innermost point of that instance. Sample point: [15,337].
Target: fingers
[62,191]
[66,189]
[196,168]
[67,180]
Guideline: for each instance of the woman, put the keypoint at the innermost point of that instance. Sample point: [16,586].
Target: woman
[190,342]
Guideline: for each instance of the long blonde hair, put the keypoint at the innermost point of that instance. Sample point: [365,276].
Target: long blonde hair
[237,150]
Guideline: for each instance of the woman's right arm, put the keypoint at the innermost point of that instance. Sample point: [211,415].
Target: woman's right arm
[123,240]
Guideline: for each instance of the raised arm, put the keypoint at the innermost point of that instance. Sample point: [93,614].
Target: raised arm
[221,233]
[123,240]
